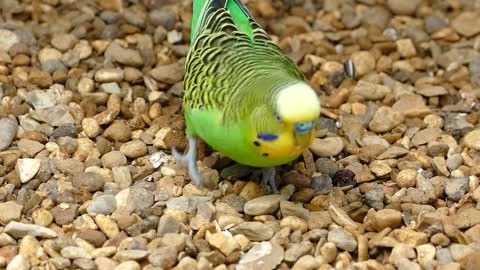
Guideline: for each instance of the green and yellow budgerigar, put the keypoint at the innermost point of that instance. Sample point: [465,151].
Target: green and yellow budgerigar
[243,95]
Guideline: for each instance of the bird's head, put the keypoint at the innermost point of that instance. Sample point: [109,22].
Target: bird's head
[287,126]
[297,108]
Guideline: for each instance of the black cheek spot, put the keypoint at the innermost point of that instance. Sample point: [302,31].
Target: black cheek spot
[265,154]
[256,143]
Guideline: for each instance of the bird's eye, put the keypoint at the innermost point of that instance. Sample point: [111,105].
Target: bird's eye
[279,120]
[302,128]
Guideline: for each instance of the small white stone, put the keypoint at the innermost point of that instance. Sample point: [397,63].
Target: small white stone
[19,262]
[27,168]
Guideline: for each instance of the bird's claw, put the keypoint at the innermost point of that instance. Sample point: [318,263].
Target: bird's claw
[191,160]
[268,177]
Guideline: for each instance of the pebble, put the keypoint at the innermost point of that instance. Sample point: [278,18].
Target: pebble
[164,257]
[326,166]
[405,264]
[72,252]
[403,8]
[114,159]
[129,57]
[456,188]
[375,197]
[307,262]
[118,131]
[107,225]
[466,24]
[19,262]
[364,62]
[171,73]
[294,223]
[255,231]
[103,204]
[371,91]
[19,230]
[411,106]
[88,181]
[226,245]
[105,75]
[263,205]
[467,218]
[94,237]
[425,254]
[10,211]
[63,42]
[426,135]
[327,147]
[342,239]
[8,130]
[472,139]
[296,251]
[128,265]
[134,149]
[401,251]
[42,217]
[65,213]
[385,119]
[322,184]
[264,255]
[134,199]
[27,168]
[406,178]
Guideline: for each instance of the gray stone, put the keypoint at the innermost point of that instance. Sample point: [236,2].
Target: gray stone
[342,239]
[8,130]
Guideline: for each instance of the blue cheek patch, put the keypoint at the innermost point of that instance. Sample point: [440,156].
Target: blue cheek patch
[303,128]
[267,137]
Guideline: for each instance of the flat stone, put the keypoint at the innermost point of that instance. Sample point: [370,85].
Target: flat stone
[263,205]
[472,139]
[342,239]
[467,218]
[370,91]
[432,91]
[411,106]
[265,255]
[426,135]
[10,211]
[7,39]
[255,231]
[19,262]
[103,204]
[385,119]
[328,147]
[467,23]
[222,242]
[8,130]
[19,230]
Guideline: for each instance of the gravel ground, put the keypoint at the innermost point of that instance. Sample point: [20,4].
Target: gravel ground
[91,107]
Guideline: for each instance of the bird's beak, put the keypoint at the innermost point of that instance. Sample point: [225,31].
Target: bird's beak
[303,141]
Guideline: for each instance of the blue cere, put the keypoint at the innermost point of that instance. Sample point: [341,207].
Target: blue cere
[302,128]
[267,137]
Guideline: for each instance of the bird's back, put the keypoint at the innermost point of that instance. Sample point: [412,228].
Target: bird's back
[228,61]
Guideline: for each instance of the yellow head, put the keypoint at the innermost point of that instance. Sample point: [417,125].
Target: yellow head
[297,109]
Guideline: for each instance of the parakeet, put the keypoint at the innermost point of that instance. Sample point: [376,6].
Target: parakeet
[243,95]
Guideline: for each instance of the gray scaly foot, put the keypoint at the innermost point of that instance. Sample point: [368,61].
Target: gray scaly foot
[269,177]
[191,160]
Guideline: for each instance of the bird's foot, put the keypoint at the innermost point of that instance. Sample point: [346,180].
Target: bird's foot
[268,176]
[191,160]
